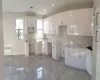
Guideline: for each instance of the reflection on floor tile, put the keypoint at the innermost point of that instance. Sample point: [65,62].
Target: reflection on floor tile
[40,68]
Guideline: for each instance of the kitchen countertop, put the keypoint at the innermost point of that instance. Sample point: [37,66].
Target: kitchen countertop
[75,46]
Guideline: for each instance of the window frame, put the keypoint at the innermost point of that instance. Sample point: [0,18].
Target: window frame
[22,29]
[39,29]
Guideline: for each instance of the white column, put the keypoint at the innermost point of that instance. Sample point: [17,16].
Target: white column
[1,45]
[96,42]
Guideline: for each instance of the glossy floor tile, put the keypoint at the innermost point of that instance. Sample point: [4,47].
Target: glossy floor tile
[40,67]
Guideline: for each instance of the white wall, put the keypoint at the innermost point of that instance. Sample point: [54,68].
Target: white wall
[1,45]
[9,23]
[31,21]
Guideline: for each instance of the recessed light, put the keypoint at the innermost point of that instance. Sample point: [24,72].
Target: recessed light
[44,10]
[71,15]
[92,24]
[53,4]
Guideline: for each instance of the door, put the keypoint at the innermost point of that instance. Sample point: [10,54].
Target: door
[96,42]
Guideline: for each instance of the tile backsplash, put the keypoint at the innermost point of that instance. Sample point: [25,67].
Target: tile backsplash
[80,40]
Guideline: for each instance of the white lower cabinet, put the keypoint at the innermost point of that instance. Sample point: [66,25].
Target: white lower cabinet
[79,59]
[56,51]
[75,59]
[89,62]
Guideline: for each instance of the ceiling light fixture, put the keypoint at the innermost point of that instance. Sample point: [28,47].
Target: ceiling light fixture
[44,10]
[71,15]
[53,4]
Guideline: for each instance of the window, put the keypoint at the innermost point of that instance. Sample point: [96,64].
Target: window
[39,24]
[46,27]
[39,29]
[19,29]
[39,33]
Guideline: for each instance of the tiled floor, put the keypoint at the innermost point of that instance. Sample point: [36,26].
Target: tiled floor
[40,68]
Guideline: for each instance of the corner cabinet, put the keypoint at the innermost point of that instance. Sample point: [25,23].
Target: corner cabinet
[55,24]
[75,57]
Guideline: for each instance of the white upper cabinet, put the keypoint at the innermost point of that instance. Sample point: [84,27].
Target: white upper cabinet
[55,24]
[62,18]
[79,22]
[88,22]
[57,20]
[72,23]
[47,25]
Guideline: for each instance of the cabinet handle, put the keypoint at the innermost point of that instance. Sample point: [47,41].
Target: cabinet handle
[97,15]
[96,36]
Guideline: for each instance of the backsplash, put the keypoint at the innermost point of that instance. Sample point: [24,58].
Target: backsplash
[79,40]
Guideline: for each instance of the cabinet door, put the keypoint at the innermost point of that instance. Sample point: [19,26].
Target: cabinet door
[88,23]
[50,25]
[47,25]
[88,62]
[72,22]
[85,23]
[57,20]
[55,24]
[62,18]
[82,21]
[90,69]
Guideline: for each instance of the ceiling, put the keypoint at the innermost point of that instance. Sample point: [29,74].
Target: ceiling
[39,5]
